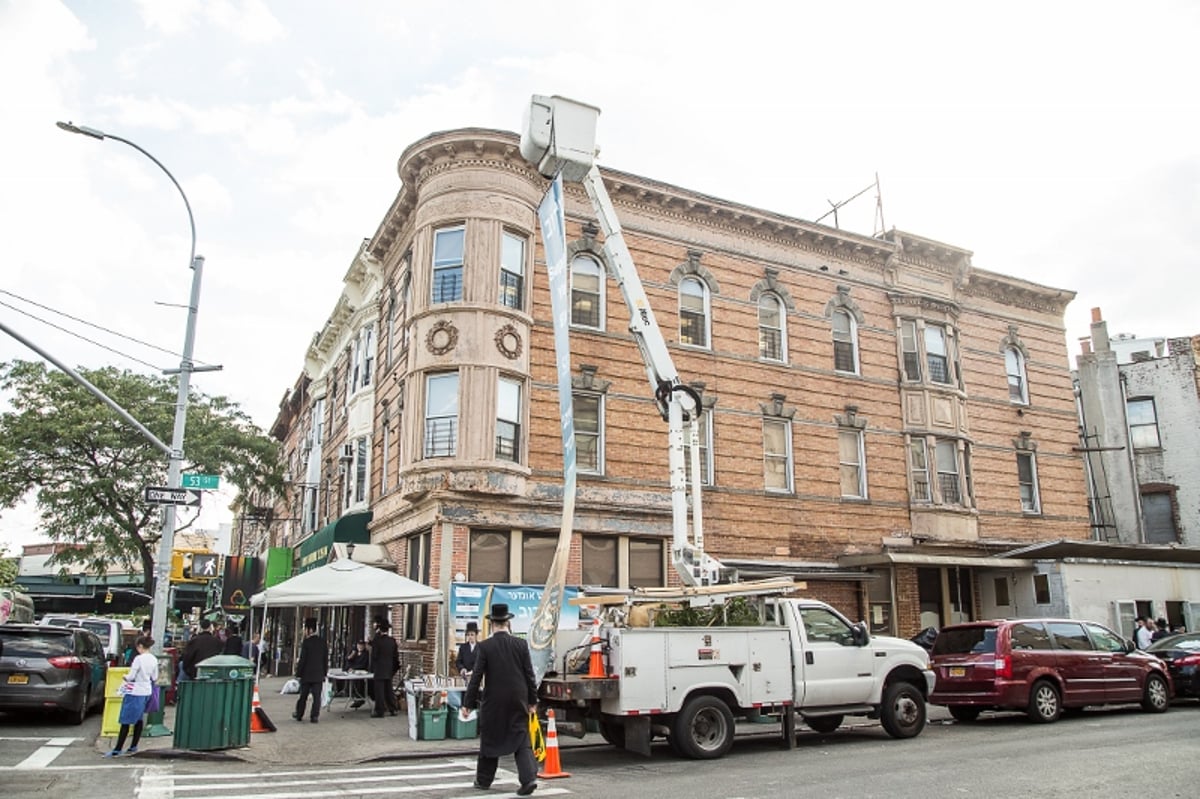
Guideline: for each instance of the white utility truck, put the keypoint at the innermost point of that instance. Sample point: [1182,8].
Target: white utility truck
[691,684]
[786,655]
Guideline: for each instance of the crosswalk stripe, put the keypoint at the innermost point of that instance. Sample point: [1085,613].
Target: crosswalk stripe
[42,756]
[208,779]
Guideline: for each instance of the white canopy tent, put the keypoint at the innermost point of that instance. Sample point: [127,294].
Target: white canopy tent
[344,582]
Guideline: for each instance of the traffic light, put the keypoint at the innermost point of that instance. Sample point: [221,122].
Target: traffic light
[194,566]
[204,566]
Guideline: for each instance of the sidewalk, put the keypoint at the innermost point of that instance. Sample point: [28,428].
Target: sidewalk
[342,736]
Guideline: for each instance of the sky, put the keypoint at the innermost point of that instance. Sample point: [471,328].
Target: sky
[1059,142]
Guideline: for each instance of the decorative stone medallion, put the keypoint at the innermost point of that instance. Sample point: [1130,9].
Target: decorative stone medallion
[508,341]
[441,338]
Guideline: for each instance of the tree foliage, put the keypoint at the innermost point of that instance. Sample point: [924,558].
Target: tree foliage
[87,469]
[9,567]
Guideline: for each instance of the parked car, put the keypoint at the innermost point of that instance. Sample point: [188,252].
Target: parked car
[1042,666]
[109,631]
[1181,653]
[51,668]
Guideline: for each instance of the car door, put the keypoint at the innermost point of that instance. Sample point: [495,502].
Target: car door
[1123,674]
[834,669]
[1080,666]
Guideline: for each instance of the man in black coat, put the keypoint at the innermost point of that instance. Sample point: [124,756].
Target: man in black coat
[200,646]
[384,658]
[233,641]
[311,668]
[465,662]
[505,672]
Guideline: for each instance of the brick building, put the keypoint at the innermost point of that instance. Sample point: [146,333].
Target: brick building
[883,419]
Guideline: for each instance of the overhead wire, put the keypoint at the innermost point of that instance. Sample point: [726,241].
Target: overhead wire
[101,328]
[81,337]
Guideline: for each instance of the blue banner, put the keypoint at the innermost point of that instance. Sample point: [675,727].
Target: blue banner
[472,601]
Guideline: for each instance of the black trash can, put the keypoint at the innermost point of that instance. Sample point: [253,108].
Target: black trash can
[213,710]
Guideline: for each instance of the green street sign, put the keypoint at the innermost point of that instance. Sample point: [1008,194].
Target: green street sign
[209,482]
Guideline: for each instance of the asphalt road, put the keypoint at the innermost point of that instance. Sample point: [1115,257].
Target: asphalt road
[1100,753]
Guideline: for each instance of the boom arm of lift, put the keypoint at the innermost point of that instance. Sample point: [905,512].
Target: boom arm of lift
[559,137]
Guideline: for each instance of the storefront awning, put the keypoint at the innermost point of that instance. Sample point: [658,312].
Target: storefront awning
[313,552]
[919,559]
[1105,550]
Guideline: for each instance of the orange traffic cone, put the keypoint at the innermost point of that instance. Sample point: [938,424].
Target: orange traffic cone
[553,765]
[259,720]
[596,659]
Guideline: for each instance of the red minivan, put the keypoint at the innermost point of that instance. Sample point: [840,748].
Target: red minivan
[1042,666]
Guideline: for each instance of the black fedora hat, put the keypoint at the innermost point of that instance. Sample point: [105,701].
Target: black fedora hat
[472,627]
[499,612]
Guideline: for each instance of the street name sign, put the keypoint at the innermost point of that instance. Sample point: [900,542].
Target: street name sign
[162,495]
[208,482]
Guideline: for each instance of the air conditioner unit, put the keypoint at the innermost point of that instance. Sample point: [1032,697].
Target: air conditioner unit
[287,477]
[347,452]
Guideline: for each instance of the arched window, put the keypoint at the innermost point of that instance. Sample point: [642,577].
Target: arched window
[1014,365]
[772,332]
[693,312]
[845,342]
[587,293]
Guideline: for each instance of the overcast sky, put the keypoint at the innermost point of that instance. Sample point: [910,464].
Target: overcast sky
[1057,141]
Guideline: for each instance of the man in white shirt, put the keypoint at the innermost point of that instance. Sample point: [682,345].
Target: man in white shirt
[1144,632]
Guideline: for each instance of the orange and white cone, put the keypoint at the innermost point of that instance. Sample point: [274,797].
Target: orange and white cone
[553,765]
[596,658]
[259,720]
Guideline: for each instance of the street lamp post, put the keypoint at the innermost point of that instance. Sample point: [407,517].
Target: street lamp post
[162,573]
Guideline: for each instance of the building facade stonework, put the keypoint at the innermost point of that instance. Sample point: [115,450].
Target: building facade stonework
[881,419]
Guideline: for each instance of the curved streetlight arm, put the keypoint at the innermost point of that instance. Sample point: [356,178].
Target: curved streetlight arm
[84,130]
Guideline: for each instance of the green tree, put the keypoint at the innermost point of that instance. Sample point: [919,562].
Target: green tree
[8,568]
[86,468]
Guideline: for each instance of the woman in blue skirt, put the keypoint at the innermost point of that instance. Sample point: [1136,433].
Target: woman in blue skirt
[137,688]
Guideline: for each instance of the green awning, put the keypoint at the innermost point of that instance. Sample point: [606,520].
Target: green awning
[314,551]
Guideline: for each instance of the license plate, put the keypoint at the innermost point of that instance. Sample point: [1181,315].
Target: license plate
[958,671]
[18,679]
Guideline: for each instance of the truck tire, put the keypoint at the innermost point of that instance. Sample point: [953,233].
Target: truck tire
[824,723]
[1045,705]
[964,712]
[703,729]
[903,710]
[613,732]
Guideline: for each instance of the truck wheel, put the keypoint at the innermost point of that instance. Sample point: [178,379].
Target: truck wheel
[1045,705]
[964,712]
[703,729]
[613,732]
[903,711]
[1155,698]
[824,723]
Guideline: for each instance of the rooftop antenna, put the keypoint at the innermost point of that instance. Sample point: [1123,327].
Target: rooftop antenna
[833,210]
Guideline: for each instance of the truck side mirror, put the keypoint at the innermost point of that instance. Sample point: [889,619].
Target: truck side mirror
[859,634]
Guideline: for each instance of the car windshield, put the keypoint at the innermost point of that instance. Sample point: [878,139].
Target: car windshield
[35,645]
[965,640]
[102,629]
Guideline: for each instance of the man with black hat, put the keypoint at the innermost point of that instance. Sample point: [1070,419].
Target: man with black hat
[505,672]
[201,646]
[311,668]
[383,666]
[465,662]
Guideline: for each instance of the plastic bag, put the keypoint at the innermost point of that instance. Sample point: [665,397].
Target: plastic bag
[153,706]
[327,694]
[292,686]
[537,739]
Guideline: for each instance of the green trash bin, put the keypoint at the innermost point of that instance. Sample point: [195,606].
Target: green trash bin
[213,710]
